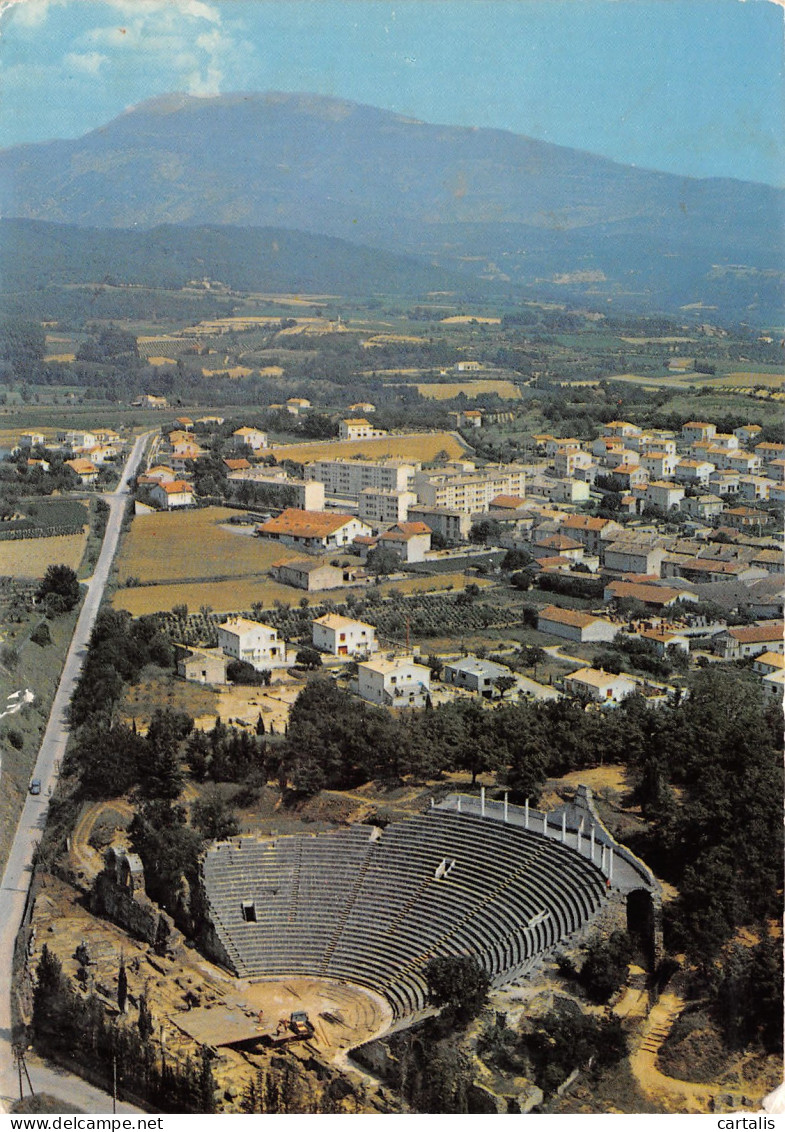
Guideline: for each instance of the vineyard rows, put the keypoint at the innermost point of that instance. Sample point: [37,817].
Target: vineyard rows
[429,615]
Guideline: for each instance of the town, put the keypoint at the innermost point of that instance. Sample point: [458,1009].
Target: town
[275,587]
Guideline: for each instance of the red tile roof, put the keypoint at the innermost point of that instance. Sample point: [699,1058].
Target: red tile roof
[304,524]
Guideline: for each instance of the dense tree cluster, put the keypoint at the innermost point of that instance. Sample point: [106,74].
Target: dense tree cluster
[59,589]
[120,647]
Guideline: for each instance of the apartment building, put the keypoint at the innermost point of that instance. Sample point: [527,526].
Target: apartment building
[348,478]
[468,489]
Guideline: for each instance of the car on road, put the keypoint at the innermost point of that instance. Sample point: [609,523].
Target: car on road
[35,785]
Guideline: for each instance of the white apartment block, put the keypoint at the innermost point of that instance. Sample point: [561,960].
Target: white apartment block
[253,642]
[347,478]
[376,506]
[468,489]
[308,495]
[342,636]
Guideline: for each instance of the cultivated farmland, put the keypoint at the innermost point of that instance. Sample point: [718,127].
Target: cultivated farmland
[243,592]
[507,390]
[30,557]
[410,446]
[173,546]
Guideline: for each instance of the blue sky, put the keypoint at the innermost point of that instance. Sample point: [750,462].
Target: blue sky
[686,86]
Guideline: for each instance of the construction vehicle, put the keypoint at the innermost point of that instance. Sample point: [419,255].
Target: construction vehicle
[296,1028]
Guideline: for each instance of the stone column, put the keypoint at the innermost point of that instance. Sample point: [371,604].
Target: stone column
[526,814]
[482,801]
[564,826]
[506,799]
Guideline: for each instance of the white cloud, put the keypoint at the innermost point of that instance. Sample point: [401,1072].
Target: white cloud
[27,13]
[87,63]
[198,46]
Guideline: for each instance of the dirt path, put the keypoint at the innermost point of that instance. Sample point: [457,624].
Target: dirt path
[87,860]
[691,1097]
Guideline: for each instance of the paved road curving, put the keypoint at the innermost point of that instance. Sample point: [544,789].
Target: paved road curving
[18,872]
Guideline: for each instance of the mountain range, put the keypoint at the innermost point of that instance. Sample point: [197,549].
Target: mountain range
[535,217]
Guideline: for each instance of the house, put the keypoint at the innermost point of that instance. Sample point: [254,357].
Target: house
[648,593]
[774,686]
[659,465]
[307,574]
[313,531]
[627,557]
[168,495]
[505,504]
[628,476]
[203,666]
[453,525]
[574,625]
[255,643]
[562,490]
[150,401]
[185,451]
[568,460]
[748,463]
[769,450]
[252,438]
[32,440]
[664,639]
[767,662]
[410,541]
[237,465]
[726,440]
[297,405]
[394,682]
[358,428]
[185,423]
[747,432]
[559,544]
[752,640]
[666,496]
[702,506]
[618,456]
[342,636]
[474,675]
[697,430]
[621,428]
[85,469]
[362,407]
[771,560]
[725,481]
[746,518]
[753,488]
[161,472]
[594,533]
[599,686]
[691,471]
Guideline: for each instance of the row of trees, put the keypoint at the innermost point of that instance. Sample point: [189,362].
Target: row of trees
[76,1027]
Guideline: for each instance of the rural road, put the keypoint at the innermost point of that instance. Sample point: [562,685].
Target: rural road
[18,872]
